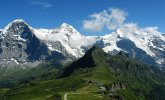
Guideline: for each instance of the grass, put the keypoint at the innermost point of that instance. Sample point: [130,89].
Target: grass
[44,89]
[128,95]
[90,87]
[88,92]
[4,90]
[85,96]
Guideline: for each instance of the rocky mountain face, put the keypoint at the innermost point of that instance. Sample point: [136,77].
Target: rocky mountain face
[139,43]
[163,34]
[22,44]
[19,45]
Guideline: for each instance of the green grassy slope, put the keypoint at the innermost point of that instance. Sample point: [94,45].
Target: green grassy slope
[142,81]
[95,76]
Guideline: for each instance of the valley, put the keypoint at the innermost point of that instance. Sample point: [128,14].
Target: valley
[95,76]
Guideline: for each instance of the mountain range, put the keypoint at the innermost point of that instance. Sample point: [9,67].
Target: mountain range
[22,45]
[95,76]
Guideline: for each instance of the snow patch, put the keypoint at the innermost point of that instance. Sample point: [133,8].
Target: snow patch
[52,49]
[160,61]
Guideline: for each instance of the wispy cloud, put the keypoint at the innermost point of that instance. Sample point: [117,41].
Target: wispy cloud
[42,4]
[111,19]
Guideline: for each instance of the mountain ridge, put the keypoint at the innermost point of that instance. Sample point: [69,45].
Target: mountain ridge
[124,74]
[63,40]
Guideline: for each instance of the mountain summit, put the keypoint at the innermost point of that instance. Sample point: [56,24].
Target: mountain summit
[15,26]
[20,41]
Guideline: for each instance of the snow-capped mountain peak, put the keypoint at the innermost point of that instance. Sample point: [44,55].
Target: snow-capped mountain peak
[65,25]
[66,35]
[145,43]
[15,26]
[18,21]
[66,28]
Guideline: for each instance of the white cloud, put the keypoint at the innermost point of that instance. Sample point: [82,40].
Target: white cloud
[41,4]
[151,29]
[133,28]
[111,19]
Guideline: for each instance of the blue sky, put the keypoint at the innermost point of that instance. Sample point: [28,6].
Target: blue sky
[52,13]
